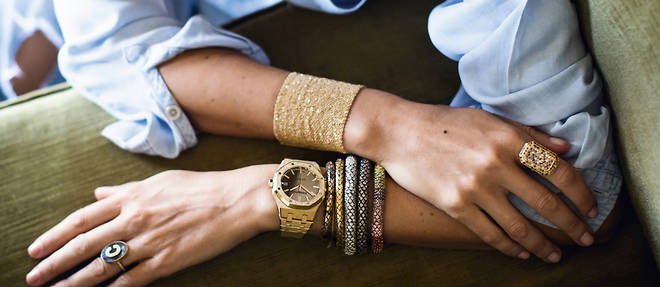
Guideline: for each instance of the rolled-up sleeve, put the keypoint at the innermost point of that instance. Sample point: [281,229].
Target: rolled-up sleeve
[111,53]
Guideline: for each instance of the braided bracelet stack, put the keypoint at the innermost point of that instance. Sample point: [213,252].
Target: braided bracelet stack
[347,219]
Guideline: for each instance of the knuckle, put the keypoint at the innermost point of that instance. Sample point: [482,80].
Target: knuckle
[455,208]
[80,245]
[138,216]
[547,202]
[492,238]
[49,268]
[99,269]
[490,160]
[517,230]
[123,281]
[542,248]
[565,175]
[510,135]
[79,221]
[575,226]
[135,219]
[585,201]
[470,183]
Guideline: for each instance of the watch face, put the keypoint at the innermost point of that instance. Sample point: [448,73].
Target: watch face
[300,184]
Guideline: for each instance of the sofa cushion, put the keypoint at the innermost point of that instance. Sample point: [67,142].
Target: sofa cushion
[624,37]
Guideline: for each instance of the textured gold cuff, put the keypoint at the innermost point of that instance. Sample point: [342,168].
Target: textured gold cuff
[311,112]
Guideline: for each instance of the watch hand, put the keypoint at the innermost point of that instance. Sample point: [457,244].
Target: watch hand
[306,190]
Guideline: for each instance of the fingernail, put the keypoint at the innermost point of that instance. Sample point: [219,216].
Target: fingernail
[554,257]
[593,212]
[34,249]
[557,141]
[587,239]
[523,255]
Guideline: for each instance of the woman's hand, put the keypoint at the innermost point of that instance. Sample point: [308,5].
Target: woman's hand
[170,221]
[465,161]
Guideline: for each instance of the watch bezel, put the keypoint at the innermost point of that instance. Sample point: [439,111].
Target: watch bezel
[289,202]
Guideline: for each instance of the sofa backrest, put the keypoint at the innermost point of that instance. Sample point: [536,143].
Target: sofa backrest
[624,37]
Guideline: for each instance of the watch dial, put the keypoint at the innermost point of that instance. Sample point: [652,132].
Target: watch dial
[300,184]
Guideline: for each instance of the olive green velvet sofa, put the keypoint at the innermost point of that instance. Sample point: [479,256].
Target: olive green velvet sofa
[52,155]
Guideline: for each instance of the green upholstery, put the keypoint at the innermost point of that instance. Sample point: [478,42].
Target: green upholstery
[52,157]
[624,37]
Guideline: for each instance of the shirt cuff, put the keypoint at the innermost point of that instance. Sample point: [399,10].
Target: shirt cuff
[150,119]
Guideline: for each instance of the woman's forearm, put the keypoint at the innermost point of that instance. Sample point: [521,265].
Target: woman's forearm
[408,219]
[224,92]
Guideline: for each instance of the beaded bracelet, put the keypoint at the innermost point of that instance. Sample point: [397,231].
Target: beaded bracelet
[339,202]
[377,217]
[350,191]
[362,205]
[311,112]
[326,229]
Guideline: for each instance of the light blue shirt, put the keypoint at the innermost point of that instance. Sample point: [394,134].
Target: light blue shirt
[520,59]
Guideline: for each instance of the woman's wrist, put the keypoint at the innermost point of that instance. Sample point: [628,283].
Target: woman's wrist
[264,207]
[263,204]
[374,116]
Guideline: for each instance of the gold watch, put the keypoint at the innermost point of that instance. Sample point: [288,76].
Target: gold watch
[298,189]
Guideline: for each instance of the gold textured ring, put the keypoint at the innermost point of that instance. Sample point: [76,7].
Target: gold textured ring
[538,158]
[114,252]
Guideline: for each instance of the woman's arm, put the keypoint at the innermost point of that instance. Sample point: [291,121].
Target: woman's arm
[177,219]
[37,59]
[463,161]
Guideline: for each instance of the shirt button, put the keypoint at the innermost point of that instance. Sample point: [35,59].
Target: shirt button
[173,112]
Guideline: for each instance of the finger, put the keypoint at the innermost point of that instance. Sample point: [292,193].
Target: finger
[103,192]
[519,228]
[76,223]
[99,271]
[548,205]
[555,144]
[570,182]
[144,273]
[490,234]
[80,248]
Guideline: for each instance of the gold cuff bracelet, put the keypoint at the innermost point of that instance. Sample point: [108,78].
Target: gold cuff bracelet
[311,112]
